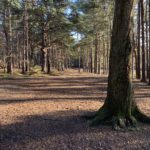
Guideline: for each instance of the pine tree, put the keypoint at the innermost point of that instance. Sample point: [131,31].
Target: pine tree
[119,106]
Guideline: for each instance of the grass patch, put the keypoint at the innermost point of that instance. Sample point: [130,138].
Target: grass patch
[34,72]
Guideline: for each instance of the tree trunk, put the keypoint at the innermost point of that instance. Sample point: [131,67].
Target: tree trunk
[96,51]
[133,50]
[99,57]
[23,55]
[135,63]
[43,51]
[91,60]
[146,35]
[104,57]
[149,42]
[43,59]
[119,106]
[143,42]
[26,24]
[107,55]
[48,62]
[9,43]
[84,59]
[25,63]
[79,59]
[138,71]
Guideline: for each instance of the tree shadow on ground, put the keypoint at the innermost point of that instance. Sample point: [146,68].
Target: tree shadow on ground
[50,99]
[49,81]
[65,130]
[82,89]
[41,126]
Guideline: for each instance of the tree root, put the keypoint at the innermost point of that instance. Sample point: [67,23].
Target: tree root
[141,116]
[89,116]
[102,116]
[122,122]
[105,116]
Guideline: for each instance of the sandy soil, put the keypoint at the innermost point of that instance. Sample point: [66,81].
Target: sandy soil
[44,114]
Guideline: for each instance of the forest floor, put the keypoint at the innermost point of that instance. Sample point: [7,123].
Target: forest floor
[44,114]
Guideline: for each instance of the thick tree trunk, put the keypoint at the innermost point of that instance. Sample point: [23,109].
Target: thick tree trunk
[119,97]
[149,42]
[119,105]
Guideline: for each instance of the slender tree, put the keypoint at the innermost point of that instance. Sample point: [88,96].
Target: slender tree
[143,42]
[138,71]
[146,35]
[7,26]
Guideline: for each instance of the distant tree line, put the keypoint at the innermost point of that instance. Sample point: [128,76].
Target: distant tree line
[62,34]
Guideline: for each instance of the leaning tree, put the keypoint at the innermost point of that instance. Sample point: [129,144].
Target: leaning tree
[120,107]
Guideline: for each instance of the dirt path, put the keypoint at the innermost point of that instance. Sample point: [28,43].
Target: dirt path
[43,114]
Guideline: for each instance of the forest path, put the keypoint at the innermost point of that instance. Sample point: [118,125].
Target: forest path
[43,114]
